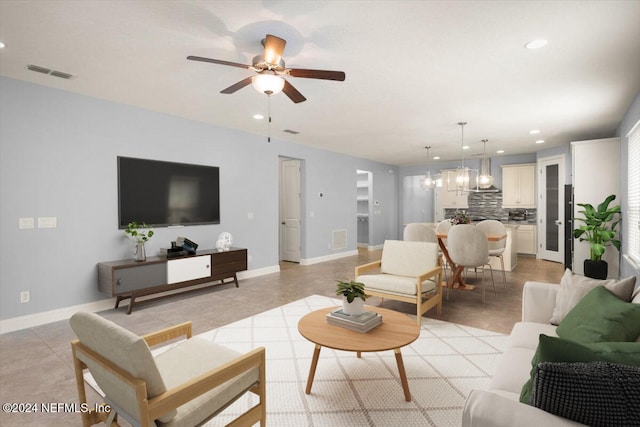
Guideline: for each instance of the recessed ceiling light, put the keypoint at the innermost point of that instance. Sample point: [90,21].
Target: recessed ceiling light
[536,44]
[500,151]
[2,45]
[466,147]
[436,157]
[540,141]
[258,116]
[534,131]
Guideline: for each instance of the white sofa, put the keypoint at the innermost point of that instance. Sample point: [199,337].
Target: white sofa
[500,405]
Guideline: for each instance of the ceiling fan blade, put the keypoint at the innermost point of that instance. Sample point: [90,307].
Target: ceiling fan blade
[217,61]
[235,87]
[273,49]
[293,93]
[317,74]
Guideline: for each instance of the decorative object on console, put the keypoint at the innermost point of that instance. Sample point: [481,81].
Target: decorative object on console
[353,296]
[599,230]
[187,245]
[224,242]
[141,233]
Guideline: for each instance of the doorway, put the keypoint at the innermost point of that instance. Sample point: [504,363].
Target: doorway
[363,199]
[289,210]
[551,226]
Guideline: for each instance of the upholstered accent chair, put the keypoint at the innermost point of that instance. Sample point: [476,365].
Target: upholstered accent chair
[419,232]
[186,385]
[491,227]
[468,248]
[409,272]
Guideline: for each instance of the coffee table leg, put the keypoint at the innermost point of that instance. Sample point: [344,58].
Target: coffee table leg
[403,374]
[312,369]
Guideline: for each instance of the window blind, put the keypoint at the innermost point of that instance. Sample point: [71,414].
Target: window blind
[633,195]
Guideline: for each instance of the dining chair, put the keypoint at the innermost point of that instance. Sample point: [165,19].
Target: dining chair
[186,385]
[492,227]
[442,229]
[468,248]
[419,232]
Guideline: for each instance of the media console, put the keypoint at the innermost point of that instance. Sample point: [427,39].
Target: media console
[129,279]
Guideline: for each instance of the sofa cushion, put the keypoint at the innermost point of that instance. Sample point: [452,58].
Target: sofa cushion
[595,394]
[399,285]
[554,349]
[526,334]
[573,287]
[601,316]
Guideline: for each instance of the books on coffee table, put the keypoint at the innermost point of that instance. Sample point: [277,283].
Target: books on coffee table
[362,322]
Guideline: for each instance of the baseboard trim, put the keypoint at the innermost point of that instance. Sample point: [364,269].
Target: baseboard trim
[317,260]
[37,319]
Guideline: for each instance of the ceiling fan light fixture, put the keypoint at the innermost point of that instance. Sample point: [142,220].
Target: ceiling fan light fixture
[267,83]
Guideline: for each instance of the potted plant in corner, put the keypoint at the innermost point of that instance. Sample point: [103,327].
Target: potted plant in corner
[353,296]
[141,233]
[599,230]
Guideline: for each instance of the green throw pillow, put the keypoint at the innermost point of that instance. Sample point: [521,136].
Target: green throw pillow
[601,316]
[552,349]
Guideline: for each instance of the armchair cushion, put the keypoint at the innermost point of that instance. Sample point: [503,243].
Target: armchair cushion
[409,259]
[195,357]
[126,350]
[395,284]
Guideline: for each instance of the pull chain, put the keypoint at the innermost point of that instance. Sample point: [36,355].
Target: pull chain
[269,115]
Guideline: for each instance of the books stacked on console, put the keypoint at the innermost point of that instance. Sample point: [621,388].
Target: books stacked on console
[187,245]
[362,322]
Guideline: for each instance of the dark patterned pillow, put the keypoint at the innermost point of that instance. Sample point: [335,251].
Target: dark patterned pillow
[595,393]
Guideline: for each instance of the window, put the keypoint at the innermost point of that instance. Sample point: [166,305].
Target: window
[633,195]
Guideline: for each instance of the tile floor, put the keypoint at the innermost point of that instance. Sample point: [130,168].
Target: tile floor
[35,363]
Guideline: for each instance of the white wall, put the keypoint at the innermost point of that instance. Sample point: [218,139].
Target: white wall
[58,159]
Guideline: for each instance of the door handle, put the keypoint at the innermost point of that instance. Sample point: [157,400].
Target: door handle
[282,223]
[558,222]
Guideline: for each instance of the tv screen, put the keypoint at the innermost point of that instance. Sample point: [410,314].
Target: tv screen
[165,193]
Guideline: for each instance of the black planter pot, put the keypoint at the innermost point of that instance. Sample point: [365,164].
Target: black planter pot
[595,269]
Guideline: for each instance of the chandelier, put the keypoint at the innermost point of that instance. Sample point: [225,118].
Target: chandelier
[466,179]
[428,182]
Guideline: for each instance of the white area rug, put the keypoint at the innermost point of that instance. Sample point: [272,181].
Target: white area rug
[443,365]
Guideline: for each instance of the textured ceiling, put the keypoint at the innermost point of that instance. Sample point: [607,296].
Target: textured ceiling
[414,68]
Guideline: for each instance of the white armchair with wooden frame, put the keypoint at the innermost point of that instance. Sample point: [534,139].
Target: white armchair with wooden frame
[409,272]
[186,385]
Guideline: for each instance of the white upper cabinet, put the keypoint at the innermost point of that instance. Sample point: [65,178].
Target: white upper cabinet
[519,186]
[450,197]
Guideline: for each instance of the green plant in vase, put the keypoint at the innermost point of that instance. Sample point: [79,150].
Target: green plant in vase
[353,296]
[141,233]
[599,229]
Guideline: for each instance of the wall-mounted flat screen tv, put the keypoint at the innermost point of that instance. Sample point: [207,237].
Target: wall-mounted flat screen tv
[165,194]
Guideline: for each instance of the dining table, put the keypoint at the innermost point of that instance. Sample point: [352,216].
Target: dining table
[456,280]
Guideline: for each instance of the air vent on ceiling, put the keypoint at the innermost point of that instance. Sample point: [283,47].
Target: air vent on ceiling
[49,71]
[292,132]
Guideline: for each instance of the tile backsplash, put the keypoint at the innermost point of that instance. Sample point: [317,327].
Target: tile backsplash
[489,206]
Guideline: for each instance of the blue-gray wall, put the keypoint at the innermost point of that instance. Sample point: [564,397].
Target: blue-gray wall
[58,159]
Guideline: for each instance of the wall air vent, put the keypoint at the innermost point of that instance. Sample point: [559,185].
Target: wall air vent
[292,132]
[49,71]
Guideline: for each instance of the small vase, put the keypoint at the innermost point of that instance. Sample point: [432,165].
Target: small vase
[140,254]
[352,308]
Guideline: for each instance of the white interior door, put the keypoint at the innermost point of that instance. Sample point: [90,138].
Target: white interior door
[290,210]
[551,179]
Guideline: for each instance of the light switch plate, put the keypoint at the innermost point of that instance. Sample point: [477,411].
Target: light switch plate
[48,222]
[26,223]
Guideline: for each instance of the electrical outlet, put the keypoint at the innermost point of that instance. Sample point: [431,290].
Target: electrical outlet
[25,296]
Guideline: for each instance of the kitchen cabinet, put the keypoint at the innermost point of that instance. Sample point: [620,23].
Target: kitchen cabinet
[526,239]
[450,197]
[519,186]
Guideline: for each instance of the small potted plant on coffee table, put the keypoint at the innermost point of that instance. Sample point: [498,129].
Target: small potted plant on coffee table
[353,296]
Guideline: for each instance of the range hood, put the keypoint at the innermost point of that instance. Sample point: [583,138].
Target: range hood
[485,168]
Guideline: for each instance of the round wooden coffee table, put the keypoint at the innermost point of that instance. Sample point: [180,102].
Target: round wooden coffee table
[397,330]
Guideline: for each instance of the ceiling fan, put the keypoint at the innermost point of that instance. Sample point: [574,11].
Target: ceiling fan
[270,68]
